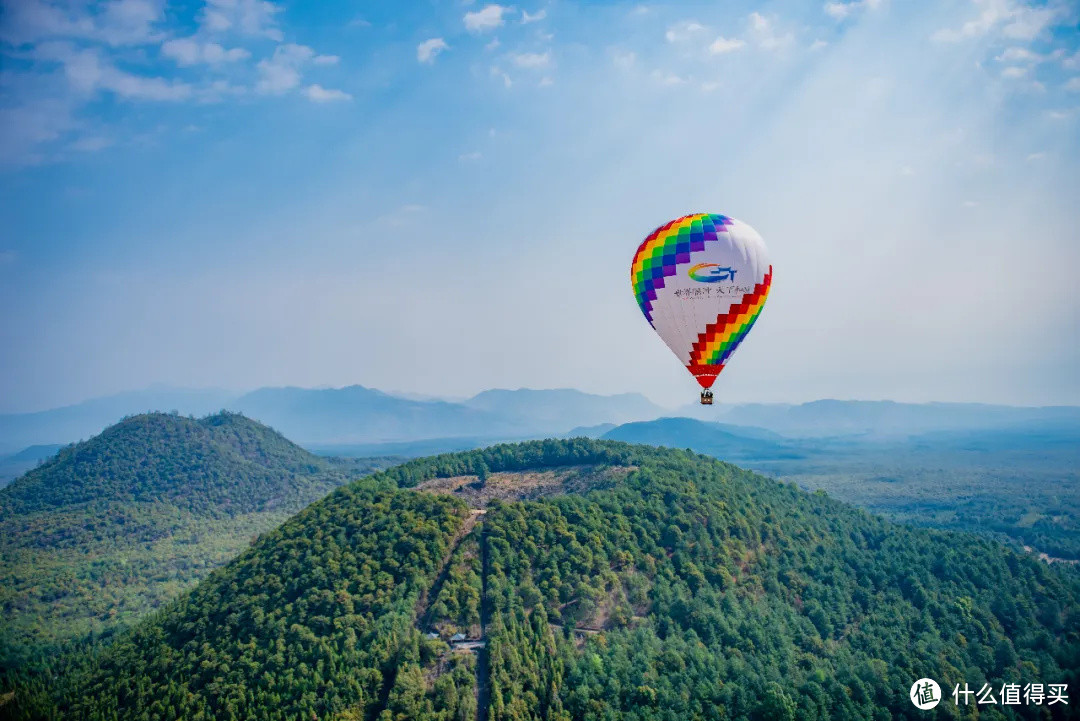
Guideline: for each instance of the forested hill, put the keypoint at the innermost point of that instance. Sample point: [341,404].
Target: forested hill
[115,526]
[636,583]
[221,464]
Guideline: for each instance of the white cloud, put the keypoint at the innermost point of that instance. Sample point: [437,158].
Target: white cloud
[971,204]
[1011,18]
[248,17]
[28,126]
[545,82]
[1073,84]
[843,10]
[492,45]
[326,60]
[91,144]
[767,38]
[907,170]
[281,72]
[318,94]
[427,51]
[130,22]
[818,45]
[220,89]
[682,31]
[115,22]
[1013,72]
[1016,54]
[470,157]
[526,18]
[484,20]
[531,60]
[725,45]
[1036,156]
[665,78]
[838,10]
[192,51]
[623,60]
[497,72]
[87,71]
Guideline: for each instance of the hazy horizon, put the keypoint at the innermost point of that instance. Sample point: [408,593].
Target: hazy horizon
[445,198]
[688,401]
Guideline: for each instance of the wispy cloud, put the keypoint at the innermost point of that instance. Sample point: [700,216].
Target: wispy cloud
[843,10]
[427,51]
[623,60]
[1010,18]
[764,31]
[489,18]
[116,23]
[91,144]
[192,51]
[531,60]
[318,94]
[724,45]
[282,71]
[247,17]
[88,71]
[667,78]
[539,15]
[684,31]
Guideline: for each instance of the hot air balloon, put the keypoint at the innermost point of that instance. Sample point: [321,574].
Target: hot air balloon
[701,281]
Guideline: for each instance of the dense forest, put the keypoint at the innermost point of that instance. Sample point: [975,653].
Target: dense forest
[678,588]
[118,525]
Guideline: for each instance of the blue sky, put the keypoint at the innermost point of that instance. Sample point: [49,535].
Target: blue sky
[442,197]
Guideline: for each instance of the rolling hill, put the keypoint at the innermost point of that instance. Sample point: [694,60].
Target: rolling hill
[715,439]
[632,583]
[118,525]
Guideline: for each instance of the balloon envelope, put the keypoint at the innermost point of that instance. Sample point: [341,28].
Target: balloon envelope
[701,281]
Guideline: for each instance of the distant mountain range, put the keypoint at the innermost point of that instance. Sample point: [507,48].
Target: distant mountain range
[364,421]
[348,416]
[881,418]
[715,439]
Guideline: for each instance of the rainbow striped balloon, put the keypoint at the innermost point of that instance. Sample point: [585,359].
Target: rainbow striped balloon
[701,281]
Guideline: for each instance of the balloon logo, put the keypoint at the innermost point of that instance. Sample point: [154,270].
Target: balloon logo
[701,282]
[711,273]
